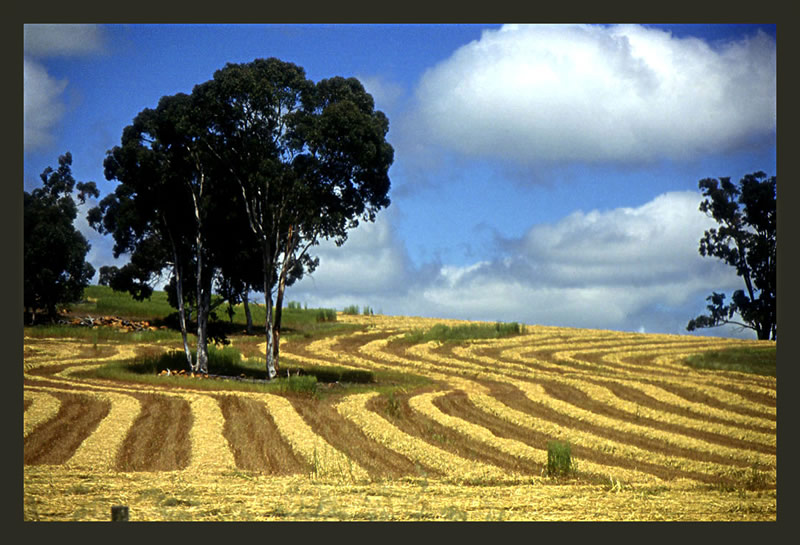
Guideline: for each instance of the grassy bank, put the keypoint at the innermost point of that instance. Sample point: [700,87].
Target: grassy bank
[755,360]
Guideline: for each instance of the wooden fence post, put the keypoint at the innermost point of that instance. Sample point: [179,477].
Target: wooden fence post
[119,513]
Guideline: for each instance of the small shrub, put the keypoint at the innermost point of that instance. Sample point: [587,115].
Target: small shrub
[559,459]
[293,305]
[352,309]
[367,311]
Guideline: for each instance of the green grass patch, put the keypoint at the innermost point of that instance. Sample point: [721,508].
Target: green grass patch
[102,300]
[249,374]
[758,360]
[444,333]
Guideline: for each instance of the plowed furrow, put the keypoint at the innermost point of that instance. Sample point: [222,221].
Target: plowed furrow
[696,395]
[458,404]
[39,407]
[540,411]
[159,438]
[579,399]
[448,438]
[256,443]
[437,460]
[631,394]
[55,441]
[376,459]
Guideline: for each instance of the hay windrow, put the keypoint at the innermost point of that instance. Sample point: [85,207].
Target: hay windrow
[653,438]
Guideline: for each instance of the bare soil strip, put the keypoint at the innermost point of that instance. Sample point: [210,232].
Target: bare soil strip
[348,438]
[447,439]
[159,438]
[690,394]
[55,441]
[580,399]
[254,438]
[458,404]
[628,393]
[514,398]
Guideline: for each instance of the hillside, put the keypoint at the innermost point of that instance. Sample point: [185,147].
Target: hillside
[446,430]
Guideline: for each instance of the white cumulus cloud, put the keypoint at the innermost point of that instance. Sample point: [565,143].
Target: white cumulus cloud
[43,94]
[534,93]
[43,107]
[625,268]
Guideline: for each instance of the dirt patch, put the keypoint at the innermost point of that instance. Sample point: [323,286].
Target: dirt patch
[400,414]
[159,438]
[379,461]
[55,441]
[254,438]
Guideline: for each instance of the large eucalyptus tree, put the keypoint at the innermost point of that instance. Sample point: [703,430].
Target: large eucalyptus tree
[308,160]
[157,213]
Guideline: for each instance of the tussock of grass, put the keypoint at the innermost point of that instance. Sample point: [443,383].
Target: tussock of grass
[559,459]
[444,333]
[755,360]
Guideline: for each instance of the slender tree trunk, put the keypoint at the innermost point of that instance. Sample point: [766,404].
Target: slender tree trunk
[248,315]
[287,258]
[204,301]
[182,312]
[276,329]
[272,371]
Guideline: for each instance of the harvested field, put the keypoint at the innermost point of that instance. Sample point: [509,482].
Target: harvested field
[651,438]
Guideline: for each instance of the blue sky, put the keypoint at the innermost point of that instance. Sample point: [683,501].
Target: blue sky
[543,174]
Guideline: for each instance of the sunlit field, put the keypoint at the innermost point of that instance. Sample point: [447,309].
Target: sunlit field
[431,427]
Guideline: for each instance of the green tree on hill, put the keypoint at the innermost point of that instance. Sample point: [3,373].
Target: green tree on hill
[234,184]
[55,269]
[745,240]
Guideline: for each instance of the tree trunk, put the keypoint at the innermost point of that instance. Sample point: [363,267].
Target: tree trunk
[287,259]
[246,302]
[272,371]
[203,304]
[278,313]
[202,330]
[182,310]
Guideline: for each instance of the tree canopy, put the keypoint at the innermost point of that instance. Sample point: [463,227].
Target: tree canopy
[232,186]
[746,240]
[55,264]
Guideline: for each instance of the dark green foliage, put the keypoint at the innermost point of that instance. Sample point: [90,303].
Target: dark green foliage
[350,310]
[334,374]
[559,459]
[55,270]
[745,240]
